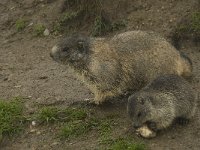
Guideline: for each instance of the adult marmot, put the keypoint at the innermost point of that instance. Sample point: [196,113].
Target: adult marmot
[165,99]
[127,61]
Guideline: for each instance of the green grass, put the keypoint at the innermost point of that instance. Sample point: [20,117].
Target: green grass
[188,28]
[38,29]
[195,25]
[75,129]
[57,28]
[68,16]
[48,115]
[105,130]
[73,122]
[11,117]
[126,144]
[20,24]
[75,114]
[81,124]
[100,26]
[52,114]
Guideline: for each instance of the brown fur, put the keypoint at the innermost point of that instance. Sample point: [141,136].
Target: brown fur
[128,61]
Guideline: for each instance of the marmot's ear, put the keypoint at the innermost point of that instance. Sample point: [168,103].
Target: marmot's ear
[81,46]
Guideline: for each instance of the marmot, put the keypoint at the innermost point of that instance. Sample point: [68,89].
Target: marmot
[127,61]
[161,102]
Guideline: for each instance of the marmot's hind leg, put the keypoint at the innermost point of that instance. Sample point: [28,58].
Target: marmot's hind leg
[101,97]
[182,120]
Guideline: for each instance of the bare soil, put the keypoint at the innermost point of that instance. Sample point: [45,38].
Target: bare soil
[27,70]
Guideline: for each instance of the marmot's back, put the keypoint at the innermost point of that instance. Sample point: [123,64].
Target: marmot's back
[133,41]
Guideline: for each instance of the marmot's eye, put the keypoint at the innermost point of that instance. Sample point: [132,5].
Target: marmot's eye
[66,49]
[139,114]
[142,101]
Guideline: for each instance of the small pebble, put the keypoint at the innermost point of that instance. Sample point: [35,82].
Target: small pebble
[32,130]
[38,132]
[33,123]
[18,86]
[46,32]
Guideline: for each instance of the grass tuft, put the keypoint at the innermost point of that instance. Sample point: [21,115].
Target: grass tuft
[48,115]
[11,117]
[190,25]
[53,114]
[75,114]
[68,16]
[196,22]
[39,29]
[74,129]
[79,126]
[100,26]
[20,24]
[126,144]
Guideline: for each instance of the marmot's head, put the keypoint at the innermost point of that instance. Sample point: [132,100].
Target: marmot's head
[139,108]
[72,50]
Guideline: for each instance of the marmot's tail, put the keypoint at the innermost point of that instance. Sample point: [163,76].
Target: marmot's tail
[187,66]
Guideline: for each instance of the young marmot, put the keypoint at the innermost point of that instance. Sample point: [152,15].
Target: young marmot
[127,61]
[161,102]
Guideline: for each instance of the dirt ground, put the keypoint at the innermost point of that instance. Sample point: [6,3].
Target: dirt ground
[27,70]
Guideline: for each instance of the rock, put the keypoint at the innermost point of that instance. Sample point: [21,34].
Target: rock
[33,123]
[30,24]
[38,132]
[33,130]
[46,32]
[54,143]
[18,86]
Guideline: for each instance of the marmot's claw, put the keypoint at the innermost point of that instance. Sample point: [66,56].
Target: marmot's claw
[92,101]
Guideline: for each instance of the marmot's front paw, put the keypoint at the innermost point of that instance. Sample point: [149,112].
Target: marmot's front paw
[93,101]
[145,132]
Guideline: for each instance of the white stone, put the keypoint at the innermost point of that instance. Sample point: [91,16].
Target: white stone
[46,32]
[33,123]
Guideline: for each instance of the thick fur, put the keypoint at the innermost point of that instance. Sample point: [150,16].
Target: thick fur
[127,61]
[161,102]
